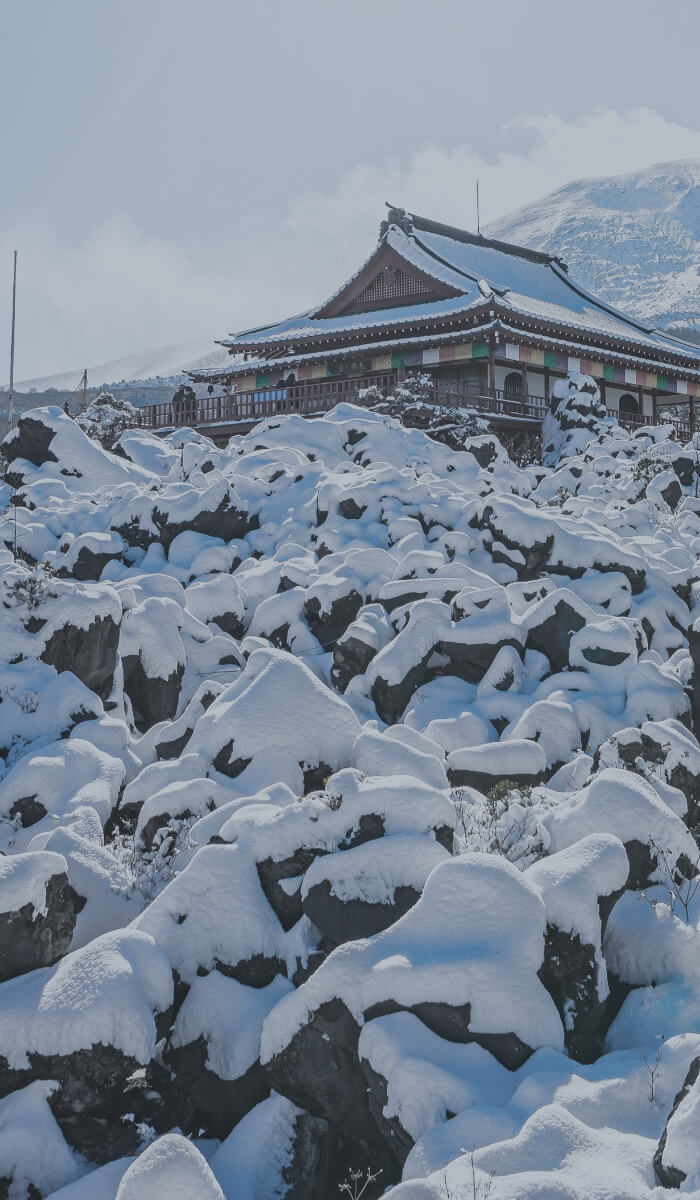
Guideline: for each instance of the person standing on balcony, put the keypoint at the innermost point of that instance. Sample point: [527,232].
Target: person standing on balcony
[178,405]
[190,405]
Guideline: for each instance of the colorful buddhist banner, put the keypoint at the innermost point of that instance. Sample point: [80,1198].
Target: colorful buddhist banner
[246,384]
[609,372]
[551,359]
[431,357]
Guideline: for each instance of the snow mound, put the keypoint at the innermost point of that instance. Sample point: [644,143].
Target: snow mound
[170,1169]
[349,811]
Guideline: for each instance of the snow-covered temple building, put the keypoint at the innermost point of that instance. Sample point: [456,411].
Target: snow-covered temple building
[493,324]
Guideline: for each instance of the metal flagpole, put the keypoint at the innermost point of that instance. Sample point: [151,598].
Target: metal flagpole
[478,221]
[10,403]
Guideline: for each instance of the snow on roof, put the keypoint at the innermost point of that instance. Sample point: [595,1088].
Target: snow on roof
[308,326]
[484,272]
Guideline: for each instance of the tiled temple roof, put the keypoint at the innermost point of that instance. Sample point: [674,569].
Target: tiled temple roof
[511,281]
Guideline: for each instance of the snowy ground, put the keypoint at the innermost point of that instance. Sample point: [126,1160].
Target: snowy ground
[350,812]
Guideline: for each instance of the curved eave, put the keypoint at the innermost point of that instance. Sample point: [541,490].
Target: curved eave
[597,341]
[540,339]
[594,340]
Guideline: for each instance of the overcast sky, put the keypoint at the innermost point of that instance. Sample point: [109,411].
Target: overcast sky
[175,169]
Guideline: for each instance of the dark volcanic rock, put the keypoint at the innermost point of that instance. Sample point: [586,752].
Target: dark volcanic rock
[569,973]
[351,657]
[397,1138]
[694,648]
[643,862]
[306,1173]
[229,623]
[27,811]
[90,653]
[484,782]
[350,509]
[319,1070]
[452,1022]
[90,565]
[287,905]
[669,1175]
[672,493]
[255,972]
[321,1158]
[31,442]
[328,626]
[152,699]
[89,1080]
[201,1101]
[31,939]
[101,1139]
[553,634]
[662,744]
[347,920]
[684,467]
[463,660]
[172,740]
[226,521]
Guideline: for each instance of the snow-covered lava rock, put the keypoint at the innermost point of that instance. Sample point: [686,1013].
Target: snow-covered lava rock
[350,810]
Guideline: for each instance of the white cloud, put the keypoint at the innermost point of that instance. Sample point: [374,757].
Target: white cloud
[442,183]
[121,290]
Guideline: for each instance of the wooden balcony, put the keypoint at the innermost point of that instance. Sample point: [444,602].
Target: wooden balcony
[306,399]
[236,412]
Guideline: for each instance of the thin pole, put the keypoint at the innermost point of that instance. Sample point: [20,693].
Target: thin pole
[84,389]
[10,402]
[478,222]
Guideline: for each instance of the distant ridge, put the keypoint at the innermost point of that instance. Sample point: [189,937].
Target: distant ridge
[164,362]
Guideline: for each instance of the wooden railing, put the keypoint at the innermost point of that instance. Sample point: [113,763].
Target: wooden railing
[683,429]
[316,397]
[496,402]
[227,409]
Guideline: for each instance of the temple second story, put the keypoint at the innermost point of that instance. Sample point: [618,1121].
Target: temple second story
[493,324]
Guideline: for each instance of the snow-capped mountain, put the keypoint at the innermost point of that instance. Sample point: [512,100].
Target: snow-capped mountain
[632,239]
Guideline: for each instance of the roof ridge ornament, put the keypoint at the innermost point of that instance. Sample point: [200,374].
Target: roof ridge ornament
[395,216]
